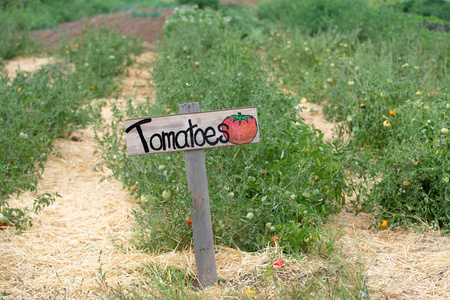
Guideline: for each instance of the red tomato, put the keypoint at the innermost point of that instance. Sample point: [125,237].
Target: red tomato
[242,129]
[278,263]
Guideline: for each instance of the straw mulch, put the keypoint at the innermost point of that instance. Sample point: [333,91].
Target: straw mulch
[401,264]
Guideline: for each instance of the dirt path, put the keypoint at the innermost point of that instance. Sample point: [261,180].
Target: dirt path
[25,64]
[312,114]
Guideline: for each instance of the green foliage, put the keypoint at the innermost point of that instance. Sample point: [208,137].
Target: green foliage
[214,4]
[36,108]
[416,165]
[39,107]
[435,8]
[99,56]
[367,85]
[154,13]
[346,16]
[291,179]
[13,39]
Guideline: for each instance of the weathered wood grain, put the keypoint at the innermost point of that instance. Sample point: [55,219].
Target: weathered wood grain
[182,132]
[197,180]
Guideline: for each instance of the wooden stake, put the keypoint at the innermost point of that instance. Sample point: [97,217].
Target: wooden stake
[197,181]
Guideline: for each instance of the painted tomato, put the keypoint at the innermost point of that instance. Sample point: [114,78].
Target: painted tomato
[242,129]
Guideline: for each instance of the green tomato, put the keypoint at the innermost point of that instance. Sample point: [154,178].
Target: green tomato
[231,195]
[250,216]
[272,229]
[444,131]
[161,167]
[166,194]
[3,219]
[268,225]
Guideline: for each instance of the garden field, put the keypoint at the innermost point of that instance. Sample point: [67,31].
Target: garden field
[344,197]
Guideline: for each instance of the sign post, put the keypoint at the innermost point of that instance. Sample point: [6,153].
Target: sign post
[191,131]
[197,182]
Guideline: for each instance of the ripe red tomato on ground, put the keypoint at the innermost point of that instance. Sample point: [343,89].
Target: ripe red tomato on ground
[242,129]
[278,263]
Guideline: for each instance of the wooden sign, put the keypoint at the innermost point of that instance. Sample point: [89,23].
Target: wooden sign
[192,131]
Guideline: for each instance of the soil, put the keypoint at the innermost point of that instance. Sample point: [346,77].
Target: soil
[148,29]
[25,64]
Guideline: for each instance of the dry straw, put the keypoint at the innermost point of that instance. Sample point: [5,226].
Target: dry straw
[401,264]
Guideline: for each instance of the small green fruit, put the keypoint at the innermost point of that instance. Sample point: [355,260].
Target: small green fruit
[3,219]
[272,229]
[268,225]
[166,194]
[231,195]
[250,216]
[444,131]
